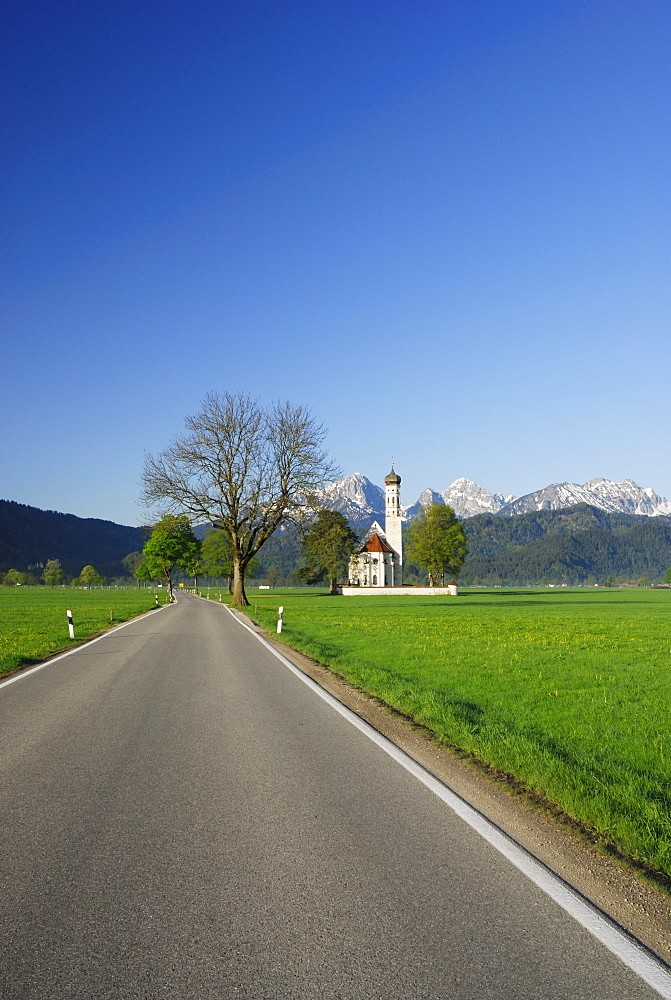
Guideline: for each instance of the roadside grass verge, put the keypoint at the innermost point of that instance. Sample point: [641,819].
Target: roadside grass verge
[34,624]
[568,691]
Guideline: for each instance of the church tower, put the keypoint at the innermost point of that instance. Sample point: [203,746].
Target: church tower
[379,561]
[393,522]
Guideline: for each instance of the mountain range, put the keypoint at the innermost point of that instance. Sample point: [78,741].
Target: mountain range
[360,500]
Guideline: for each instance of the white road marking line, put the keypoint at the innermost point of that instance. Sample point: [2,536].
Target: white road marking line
[76,649]
[651,971]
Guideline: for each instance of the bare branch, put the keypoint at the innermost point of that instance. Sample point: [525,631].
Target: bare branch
[244,468]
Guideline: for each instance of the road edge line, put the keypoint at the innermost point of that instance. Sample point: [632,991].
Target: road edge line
[75,649]
[647,967]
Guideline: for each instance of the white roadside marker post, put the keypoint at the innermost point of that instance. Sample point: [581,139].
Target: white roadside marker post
[156,596]
[71,628]
[280,612]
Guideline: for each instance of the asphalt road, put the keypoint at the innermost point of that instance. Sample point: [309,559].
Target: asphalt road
[182,817]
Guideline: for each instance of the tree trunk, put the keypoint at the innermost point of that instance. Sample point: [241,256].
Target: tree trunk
[239,596]
[333,589]
[229,582]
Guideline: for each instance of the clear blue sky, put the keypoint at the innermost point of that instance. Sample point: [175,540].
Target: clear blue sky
[443,226]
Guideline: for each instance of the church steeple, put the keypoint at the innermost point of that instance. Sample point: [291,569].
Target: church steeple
[393,523]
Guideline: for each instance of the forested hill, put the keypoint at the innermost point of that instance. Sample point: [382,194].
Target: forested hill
[577,545]
[30,536]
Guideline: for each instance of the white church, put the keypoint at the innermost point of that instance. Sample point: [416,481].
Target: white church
[377,567]
[379,561]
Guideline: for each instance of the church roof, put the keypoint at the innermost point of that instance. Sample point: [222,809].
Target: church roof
[393,477]
[375,544]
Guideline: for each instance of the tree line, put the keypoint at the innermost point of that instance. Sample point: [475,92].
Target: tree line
[54,576]
[326,545]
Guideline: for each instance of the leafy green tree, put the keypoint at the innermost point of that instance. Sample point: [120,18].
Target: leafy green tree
[143,574]
[667,575]
[13,577]
[327,545]
[194,566]
[218,556]
[131,562]
[172,545]
[53,574]
[436,541]
[90,577]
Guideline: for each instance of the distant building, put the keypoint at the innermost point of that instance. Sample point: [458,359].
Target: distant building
[379,561]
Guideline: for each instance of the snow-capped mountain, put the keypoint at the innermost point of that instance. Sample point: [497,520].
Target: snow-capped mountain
[620,498]
[425,497]
[361,501]
[629,497]
[552,497]
[466,498]
[356,498]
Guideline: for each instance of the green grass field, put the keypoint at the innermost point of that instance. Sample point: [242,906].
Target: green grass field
[33,620]
[567,690]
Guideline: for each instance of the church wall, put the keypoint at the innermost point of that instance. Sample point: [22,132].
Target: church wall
[408,591]
[393,534]
[384,571]
[393,525]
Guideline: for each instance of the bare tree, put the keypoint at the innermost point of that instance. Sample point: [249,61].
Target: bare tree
[244,469]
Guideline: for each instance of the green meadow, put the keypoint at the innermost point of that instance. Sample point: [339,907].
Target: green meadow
[569,691]
[33,620]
